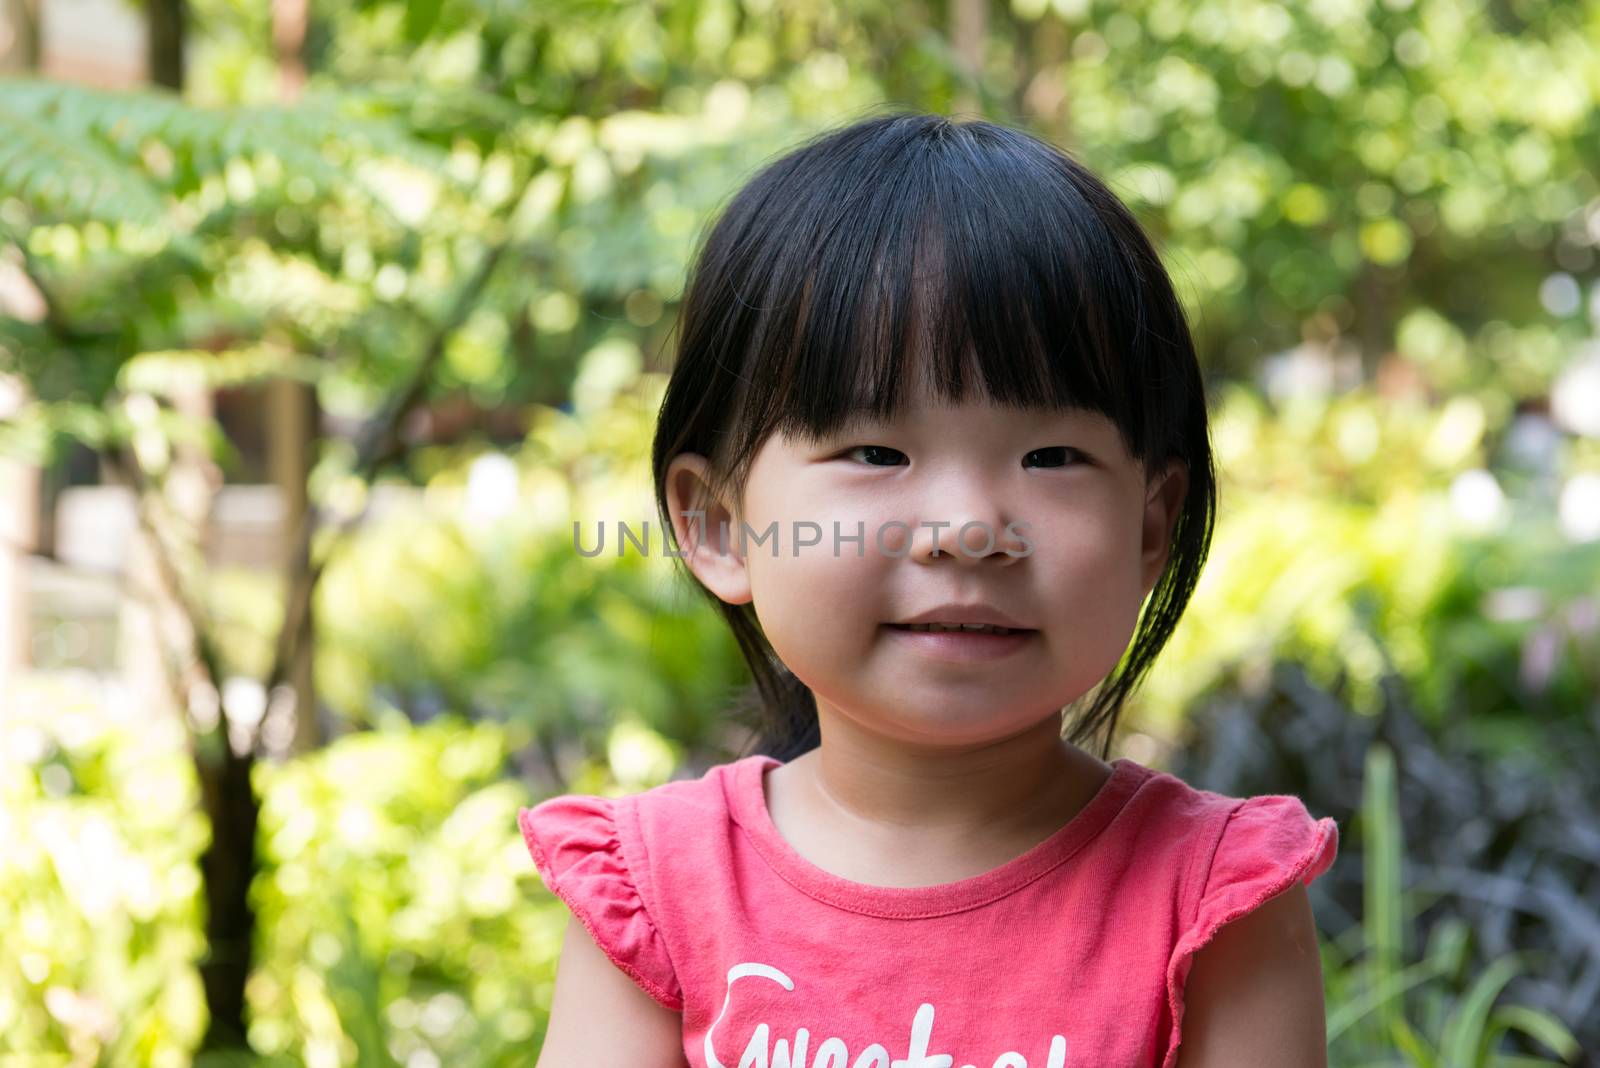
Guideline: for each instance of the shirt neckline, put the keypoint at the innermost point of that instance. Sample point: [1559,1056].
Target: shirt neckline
[749,808]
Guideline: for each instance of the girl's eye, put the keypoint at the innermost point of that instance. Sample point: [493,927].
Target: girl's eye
[880,451]
[1054,456]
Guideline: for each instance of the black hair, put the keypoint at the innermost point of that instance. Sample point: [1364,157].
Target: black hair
[995,259]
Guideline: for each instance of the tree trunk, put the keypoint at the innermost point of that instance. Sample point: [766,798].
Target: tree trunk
[167,29]
[21,53]
[228,867]
[222,758]
[222,761]
[291,432]
[293,415]
[1043,93]
[968,27]
[1374,327]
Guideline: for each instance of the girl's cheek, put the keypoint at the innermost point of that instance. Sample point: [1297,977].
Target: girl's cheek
[1074,538]
[846,537]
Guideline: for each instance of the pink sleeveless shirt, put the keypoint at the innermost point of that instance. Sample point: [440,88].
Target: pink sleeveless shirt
[1072,955]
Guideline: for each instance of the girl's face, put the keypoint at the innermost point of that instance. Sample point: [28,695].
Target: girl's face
[1080,536]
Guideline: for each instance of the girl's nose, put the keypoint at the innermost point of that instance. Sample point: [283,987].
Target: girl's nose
[968,535]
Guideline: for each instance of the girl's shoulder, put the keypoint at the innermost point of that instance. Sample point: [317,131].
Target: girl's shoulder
[610,859]
[1225,825]
[1225,856]
[625,828]
[1227,847]
[706,793]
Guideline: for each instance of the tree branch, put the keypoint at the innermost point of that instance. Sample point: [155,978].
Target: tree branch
[379,441]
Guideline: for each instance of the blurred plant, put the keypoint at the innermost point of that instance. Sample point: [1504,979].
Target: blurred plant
[1382,1001]
[1499,849]
[171,249]
[99,883]
[1340,545]
[402,919]
[476,598]
[1413,177]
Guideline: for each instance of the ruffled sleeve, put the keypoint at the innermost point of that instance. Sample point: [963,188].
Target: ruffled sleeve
[584,860]
[1267,844]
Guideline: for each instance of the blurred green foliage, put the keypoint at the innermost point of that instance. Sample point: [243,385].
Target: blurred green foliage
[1383,999]
[1338,162]
[99,848]
[400,909]
[473,597]
[1342,544]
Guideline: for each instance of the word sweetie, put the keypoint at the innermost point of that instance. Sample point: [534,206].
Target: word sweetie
[833,1053]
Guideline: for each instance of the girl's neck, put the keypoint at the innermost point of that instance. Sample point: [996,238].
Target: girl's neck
[1021,788]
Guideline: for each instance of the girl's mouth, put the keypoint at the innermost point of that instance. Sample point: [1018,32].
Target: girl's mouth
[961,641]
[967,628]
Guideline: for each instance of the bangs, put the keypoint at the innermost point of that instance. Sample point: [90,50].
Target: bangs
[955,264]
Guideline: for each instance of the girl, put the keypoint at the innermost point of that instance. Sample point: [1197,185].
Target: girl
[936,447]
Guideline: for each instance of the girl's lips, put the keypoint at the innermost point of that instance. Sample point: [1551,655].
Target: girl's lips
[962,645]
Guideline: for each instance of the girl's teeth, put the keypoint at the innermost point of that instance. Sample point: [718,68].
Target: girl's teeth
[979,627]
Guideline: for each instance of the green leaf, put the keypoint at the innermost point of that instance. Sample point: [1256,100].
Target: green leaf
[1449,944]
[1383,902]
[1412,1045]
[1390,989]
[421,17]
[1538,1025]
[52,152]
[1465,1030]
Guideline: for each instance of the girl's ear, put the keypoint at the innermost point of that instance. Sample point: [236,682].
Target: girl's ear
[706,530]
[1164,496]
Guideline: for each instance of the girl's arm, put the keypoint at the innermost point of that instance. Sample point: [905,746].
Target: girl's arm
[599,1018]
[1254,996]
